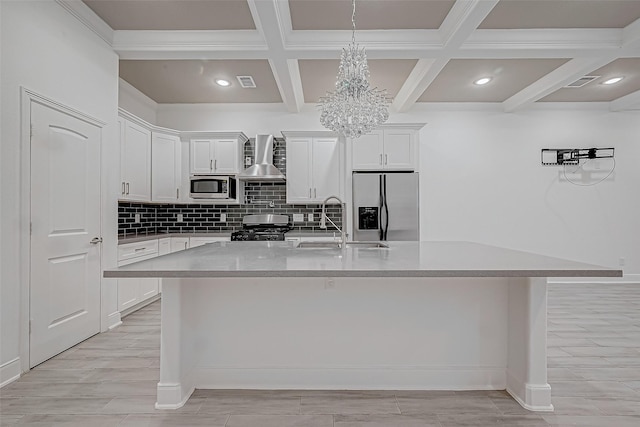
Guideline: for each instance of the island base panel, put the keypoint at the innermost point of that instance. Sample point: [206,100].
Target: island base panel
[354,333]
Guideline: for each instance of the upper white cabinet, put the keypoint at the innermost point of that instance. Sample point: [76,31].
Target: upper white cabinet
[313,166]
[135,161]
[166,166]
[385,149]
[215,153]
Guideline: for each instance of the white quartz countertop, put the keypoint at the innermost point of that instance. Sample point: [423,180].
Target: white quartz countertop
[401,259]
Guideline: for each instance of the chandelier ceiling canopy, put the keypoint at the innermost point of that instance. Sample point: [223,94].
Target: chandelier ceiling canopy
[354,108]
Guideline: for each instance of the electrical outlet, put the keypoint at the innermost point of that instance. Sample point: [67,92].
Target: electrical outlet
[247,161]
[136,218]
[310,217]
[180,218]
[223,217]
[298,217]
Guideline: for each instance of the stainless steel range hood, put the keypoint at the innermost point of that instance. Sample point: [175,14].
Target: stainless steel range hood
[262,169]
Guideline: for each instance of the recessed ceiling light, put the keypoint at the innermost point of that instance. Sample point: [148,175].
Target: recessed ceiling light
[482,81]
[222,82]
[612,81]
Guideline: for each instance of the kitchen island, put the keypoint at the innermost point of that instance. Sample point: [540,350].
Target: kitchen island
[414,316]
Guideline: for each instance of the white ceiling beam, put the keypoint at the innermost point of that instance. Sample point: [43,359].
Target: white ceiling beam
[273,21]
[422,75]
[463,19]
[561,76]
[627,102]
[460,23]
[88,17]
[631,34]
[189,44]
[544,43]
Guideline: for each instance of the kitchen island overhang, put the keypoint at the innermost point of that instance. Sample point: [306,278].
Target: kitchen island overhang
[419,315]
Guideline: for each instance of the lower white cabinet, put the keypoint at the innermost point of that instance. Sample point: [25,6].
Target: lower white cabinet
[134,291]
[179,244]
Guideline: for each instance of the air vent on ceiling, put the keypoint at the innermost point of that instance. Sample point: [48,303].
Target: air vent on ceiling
[582,81]
[246,81]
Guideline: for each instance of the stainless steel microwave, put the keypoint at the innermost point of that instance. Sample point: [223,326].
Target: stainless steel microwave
[212,187]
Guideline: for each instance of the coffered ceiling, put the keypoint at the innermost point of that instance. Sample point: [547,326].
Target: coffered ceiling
[419,50]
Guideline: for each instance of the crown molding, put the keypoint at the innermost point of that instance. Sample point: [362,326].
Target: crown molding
[88,17]
[187,135]
[135,93]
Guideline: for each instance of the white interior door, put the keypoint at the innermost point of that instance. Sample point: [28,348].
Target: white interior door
[65,217]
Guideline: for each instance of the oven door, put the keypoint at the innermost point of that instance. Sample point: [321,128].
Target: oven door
[209,187]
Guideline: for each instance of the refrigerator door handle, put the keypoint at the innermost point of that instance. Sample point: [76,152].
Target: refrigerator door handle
[381,201]
[386,208]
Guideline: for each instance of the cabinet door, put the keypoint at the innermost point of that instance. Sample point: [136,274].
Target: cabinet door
[366,151]
[179,244]
[201,156]
[164,246]
[398,149]
[135,162]
[225,158]
[165,168]
[128,293]
[148,288]
[299,187]
[326,168]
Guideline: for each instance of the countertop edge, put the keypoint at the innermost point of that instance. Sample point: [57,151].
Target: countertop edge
[363,273]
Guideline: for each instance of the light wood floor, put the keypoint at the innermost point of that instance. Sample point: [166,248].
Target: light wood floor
[110,380]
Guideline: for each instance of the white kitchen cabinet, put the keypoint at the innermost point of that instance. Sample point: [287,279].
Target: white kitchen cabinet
[215,153]
[199,241]
[385,149]
[313,167]
[179,244]
[164,246]
[135,160]
[166,166]
[133,292]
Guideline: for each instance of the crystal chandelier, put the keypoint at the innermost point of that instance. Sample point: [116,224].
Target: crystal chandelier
[354,109]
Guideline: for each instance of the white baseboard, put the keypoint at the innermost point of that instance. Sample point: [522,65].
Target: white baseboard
[9,372]
[114,320]
[171,396]
[138,306]
[351,378]
[534,397]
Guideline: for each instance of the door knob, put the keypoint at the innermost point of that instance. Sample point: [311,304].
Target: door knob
[96,240]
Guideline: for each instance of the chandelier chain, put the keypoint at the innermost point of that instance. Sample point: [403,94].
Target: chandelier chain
[353,21]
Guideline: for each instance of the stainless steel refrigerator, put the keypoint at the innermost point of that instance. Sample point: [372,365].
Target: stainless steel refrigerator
[385,206]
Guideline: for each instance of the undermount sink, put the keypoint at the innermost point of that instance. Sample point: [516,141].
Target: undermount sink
[337,245]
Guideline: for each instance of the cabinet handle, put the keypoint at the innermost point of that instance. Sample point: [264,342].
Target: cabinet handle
[127,192]
[315,194]
[385,159]
[210,164]
[177,193]
[96,240]
[380,159]
[139,249]
[309,192]
[122,187]
[215,165]
[185,245]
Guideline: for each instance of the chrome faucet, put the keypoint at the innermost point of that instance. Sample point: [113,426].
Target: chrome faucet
[324,218]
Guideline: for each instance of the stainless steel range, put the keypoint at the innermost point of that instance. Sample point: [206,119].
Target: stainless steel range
[262,227]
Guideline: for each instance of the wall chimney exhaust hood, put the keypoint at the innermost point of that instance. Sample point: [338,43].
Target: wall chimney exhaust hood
[262,169]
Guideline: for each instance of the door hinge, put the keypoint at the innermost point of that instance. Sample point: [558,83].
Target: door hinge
[31,130]
[30,228]
[29,325]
